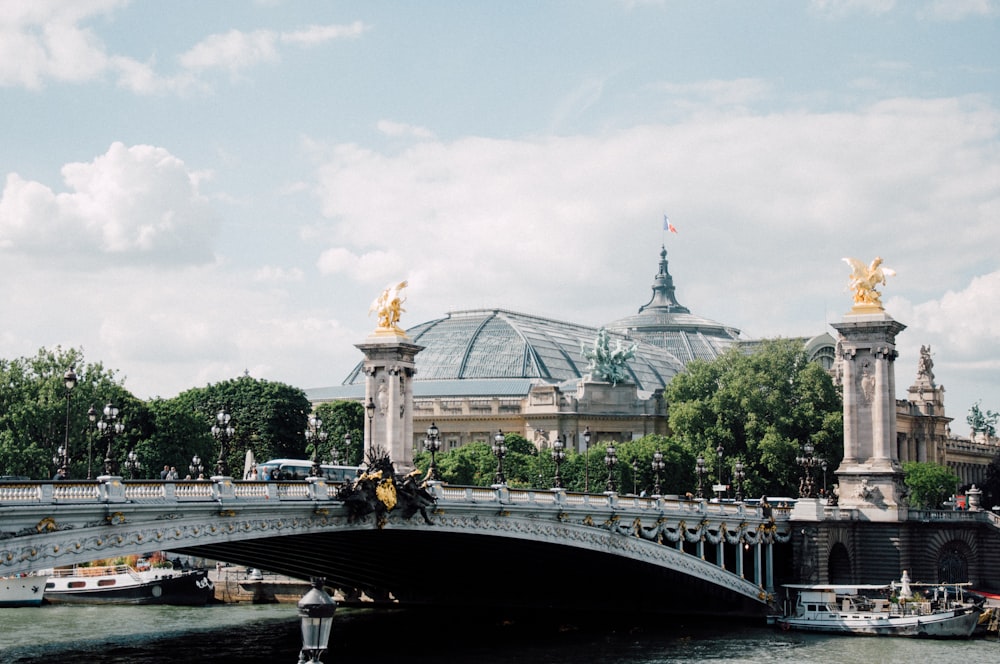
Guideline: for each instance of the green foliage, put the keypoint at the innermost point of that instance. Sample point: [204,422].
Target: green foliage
[761,408]
[268,418]
[980,422]
[930,484]
[36,417]
[341,418]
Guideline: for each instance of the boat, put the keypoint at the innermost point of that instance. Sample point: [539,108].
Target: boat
[22,590]
[939,611]
[123,584]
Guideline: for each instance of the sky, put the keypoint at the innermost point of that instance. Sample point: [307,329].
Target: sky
[192,191]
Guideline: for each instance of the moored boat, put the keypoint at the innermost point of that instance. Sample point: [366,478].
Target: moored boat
[123,584]
[941,611]
[22,590]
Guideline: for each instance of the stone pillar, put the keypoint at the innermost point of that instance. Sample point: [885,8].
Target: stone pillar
[389,370]
[870,475]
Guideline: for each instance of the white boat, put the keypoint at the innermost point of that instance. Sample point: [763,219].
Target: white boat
[938,611]
[122,584]
[22,590]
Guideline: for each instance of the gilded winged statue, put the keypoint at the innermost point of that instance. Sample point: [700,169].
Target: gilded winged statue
[866,278]
[388,306]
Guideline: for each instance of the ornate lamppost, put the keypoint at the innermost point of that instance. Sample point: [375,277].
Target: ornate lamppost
[132,464]
[500,450]
[635,477]
[110,426]
[658,467]
[738,475]
[370,411]
[223,432]
[432,443]
[195,468]
[699,468]
[69,380]
[558,456]
[807,461]
[610,459]
[722,476]
[823,465]
[316,436]
[586,461]
[92,416]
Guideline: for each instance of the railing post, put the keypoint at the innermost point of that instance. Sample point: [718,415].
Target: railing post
[317,488]
[222,488]
[46,493]
[111,489]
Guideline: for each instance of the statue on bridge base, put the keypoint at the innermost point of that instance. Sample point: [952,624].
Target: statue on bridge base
[379,490]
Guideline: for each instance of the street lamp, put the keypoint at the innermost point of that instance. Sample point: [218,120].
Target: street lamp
[370,410]
[500,450]
[807,461]
[432,443]
[196,469]
[316,609]
[722,476]
[92,416]
[316,436]
[699,468]
[223,431]
[658,467]
[610,459]
[738,475]
[69,380]
[823,465]
[586,461]
[109,426]
[132,464]
[558,455]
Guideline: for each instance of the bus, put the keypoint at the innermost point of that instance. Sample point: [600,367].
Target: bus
[300,469]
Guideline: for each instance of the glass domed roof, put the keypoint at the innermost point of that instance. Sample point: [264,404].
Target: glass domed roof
[500,344]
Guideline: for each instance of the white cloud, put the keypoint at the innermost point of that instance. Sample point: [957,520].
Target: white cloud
[842,8]
[236,50]
[400,129]
[136,203]
[43,40]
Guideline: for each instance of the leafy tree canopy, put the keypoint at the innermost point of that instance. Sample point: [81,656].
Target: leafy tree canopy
[930,484]
[340,419]
[268,418]
[760,408]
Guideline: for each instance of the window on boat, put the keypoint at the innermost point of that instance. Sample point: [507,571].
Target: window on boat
[106,582]
[76,584]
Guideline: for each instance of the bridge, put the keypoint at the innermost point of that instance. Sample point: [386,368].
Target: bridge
[478,546]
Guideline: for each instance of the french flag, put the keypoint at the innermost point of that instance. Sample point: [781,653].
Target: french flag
[667,226]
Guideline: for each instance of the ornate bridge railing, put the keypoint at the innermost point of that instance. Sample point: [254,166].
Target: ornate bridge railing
[49,523]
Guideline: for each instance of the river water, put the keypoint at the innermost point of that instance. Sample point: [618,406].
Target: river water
[270,633]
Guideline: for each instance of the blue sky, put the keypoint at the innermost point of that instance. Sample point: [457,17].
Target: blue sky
[191,190]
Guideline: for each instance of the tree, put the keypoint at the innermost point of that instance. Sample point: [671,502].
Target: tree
[760,408]
[36,417]
[930,484]
[268,418]
[340,418]
[982,423]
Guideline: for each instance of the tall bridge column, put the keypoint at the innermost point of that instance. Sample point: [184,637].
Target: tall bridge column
[389,369]
[870,476]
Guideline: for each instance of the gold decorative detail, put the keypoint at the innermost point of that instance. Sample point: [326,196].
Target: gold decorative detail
[227,513]
[864,280]
[115,518]
[55,549]
[46,525]
[321,511]
[588,520]
[385,491]
[388,307]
